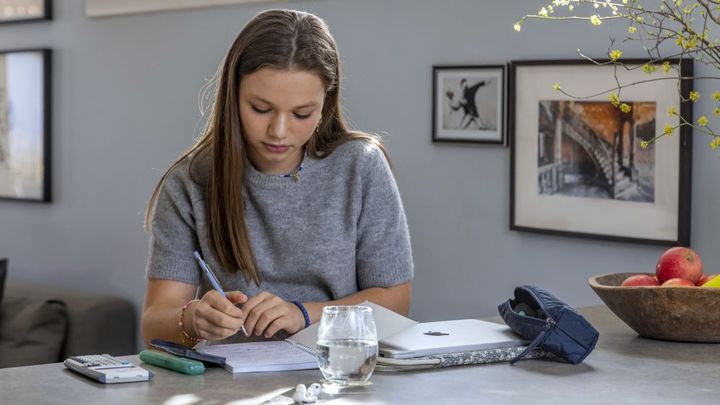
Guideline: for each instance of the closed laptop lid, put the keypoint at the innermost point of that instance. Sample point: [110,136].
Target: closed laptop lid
[462,335]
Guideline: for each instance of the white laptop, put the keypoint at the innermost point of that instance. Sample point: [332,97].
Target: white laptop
[462,335]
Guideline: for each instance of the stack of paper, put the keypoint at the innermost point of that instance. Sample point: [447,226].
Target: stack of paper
[262,356]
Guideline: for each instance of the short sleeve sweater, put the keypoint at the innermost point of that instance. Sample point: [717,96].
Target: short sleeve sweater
[338,228]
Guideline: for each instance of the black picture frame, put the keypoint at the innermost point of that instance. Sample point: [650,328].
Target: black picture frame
[626,214]
[26,173]
[29,14]
[481,120]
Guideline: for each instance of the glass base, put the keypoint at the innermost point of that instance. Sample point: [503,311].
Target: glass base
[334,387]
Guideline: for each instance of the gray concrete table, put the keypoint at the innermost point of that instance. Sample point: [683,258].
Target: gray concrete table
[624,368]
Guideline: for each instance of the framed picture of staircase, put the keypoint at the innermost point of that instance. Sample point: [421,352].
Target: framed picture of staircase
[583,166]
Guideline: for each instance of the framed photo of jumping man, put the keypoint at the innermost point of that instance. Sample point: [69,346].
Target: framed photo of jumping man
[586,159]
[468,104]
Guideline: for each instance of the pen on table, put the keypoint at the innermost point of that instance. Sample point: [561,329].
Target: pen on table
[213,280]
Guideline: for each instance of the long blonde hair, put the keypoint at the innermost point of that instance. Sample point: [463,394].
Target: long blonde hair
[281,39]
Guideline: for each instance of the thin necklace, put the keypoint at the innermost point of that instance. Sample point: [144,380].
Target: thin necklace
[295,174]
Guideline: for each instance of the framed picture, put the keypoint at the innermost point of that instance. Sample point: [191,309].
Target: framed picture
[25,125]
[468,104]
[101,8]
[583,167]
[16,11]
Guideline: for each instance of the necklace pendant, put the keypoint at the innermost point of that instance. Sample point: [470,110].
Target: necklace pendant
[295,177]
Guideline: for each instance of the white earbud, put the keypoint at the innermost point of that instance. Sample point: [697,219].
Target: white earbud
[305,395]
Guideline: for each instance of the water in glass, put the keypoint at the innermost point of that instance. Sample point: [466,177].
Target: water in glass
[347,345]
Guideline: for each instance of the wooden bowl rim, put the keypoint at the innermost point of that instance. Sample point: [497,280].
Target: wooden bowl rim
[595,285]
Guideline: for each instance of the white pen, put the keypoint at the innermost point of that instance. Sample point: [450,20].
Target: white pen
[213,280]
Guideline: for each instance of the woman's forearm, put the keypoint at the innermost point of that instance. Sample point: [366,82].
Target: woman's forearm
[396,298]
[162,323]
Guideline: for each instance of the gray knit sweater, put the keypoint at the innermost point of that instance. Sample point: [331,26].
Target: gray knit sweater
[339,229]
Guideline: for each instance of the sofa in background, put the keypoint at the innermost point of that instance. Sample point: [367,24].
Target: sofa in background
[45,324]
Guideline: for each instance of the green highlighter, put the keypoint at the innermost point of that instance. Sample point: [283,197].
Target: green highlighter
[170,362]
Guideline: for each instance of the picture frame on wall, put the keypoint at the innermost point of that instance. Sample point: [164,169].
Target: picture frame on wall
[104,8]
[468,104]
[580,166]
[20,11]
[25,164]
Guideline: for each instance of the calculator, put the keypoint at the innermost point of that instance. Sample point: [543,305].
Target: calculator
[107,369]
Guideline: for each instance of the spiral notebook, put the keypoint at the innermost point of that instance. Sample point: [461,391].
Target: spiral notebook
[256,357]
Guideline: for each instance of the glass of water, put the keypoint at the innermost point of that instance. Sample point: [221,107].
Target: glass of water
[347,344]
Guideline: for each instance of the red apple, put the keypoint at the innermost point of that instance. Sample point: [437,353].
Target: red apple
[678,282]
[679,262]
[640,280]
[705,278]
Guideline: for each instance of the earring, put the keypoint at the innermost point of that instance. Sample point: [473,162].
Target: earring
[317,129]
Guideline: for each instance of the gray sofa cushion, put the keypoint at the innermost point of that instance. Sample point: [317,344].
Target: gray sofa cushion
[32,330]
[96,323]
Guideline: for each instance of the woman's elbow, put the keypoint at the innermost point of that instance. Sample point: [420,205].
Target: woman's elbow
[403,297]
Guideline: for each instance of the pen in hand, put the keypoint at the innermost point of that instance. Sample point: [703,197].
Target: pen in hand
[213,280]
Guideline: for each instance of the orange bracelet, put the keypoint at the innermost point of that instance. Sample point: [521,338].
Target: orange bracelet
[186,336]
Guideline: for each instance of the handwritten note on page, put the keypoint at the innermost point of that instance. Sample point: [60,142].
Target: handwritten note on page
[262,356]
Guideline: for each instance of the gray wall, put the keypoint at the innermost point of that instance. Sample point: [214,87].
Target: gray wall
[125,104]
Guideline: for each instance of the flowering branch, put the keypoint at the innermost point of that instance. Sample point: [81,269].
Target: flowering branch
[682,25]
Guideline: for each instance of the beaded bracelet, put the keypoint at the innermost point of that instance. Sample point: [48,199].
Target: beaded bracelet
[304,312]
[186,336]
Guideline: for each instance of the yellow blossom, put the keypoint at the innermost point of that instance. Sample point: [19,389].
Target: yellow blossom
[647,68]
[543,12]
[615,54]
[666,66]
[716,111]
[702,121]
[625,108]
[694,96]
[672,111]
[716,95]
[556,86]
[517,27]
[715,143]
[595,20]
[614,99]
[668,130]
[632,29]
[644,144]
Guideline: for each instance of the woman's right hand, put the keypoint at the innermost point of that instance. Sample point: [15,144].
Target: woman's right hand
[214,317]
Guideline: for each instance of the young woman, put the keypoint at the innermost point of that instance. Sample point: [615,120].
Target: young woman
[289,208]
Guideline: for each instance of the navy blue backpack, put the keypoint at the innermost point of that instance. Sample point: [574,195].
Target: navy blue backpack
[549,323]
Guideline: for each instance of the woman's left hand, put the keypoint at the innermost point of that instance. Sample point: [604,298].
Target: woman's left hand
[266,314]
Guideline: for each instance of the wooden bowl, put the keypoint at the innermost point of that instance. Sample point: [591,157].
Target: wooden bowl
[683,314]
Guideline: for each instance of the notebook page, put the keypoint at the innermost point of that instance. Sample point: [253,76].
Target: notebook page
[262,356]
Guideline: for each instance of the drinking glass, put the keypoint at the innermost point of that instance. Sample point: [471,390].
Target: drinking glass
[347,344]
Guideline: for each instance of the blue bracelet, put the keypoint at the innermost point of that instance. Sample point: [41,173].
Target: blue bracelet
[304,312]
